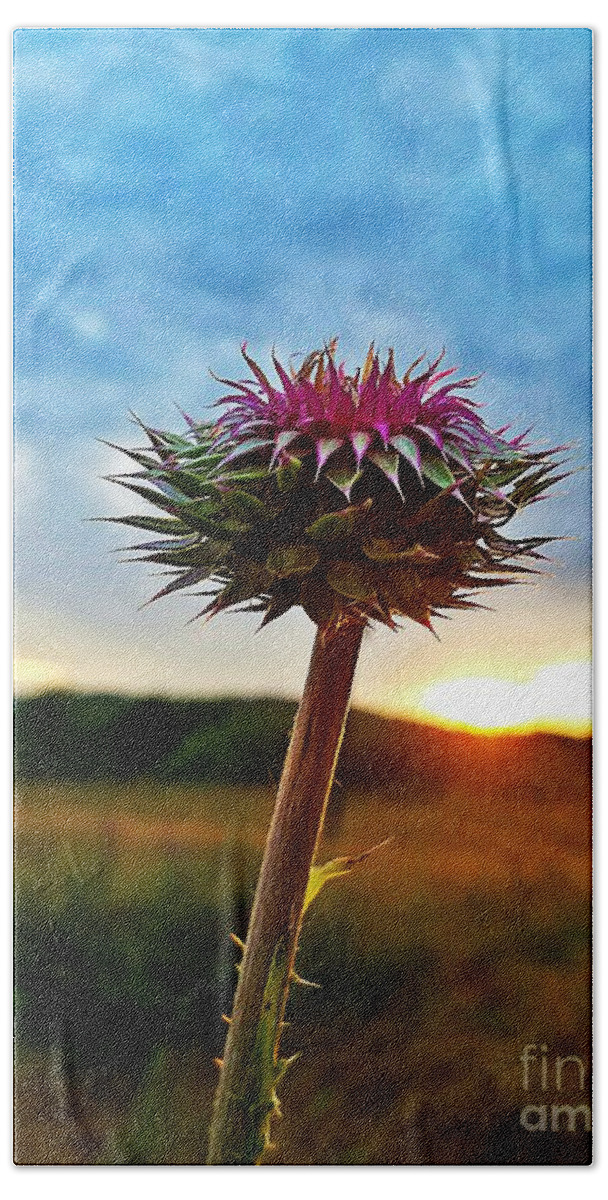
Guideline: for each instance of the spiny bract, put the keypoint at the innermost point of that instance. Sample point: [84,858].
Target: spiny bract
[356,496]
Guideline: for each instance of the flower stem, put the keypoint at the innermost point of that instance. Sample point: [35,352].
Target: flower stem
[245,1099]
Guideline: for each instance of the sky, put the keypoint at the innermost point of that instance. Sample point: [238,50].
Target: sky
[180,191]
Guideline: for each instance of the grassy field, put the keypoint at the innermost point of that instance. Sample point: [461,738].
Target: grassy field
[465,938]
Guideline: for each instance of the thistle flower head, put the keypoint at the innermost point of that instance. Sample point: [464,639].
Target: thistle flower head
[349,421]
[359,497]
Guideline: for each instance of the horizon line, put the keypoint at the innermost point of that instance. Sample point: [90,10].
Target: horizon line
[578,730]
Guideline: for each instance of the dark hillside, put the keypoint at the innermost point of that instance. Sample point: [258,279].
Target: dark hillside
[85,737]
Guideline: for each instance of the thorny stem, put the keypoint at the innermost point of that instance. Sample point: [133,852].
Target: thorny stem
[277,910]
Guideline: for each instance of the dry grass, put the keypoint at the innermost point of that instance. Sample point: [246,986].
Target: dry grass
[461,940]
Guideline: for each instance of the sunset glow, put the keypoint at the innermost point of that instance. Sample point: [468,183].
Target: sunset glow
[556,698]
[32,675]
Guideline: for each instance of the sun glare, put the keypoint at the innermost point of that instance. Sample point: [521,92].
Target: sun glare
[557,698]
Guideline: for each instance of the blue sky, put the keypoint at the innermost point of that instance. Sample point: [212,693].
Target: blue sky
[178,191]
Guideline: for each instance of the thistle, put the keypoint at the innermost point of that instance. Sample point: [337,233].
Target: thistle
[360,498]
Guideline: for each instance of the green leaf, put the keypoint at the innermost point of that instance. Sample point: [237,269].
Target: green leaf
[319,875]
[173,543]
[250,447]
[498,477]
[278,604]
[388,462]
[188,483]
[204,554]
[382,550]
[245,507]
[451,450]
[181,581]
[202,514]
[351,580]
[332,527]
[408,449]
[343,478]
[169,525]
[292,560]
[252,580]
[142,460]
[159,499]
[325,448]
[244,476]
[202,454]
[287,475]
[437,471]
[173,440]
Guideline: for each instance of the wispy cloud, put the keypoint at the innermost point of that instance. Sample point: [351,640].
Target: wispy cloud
[180,190]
